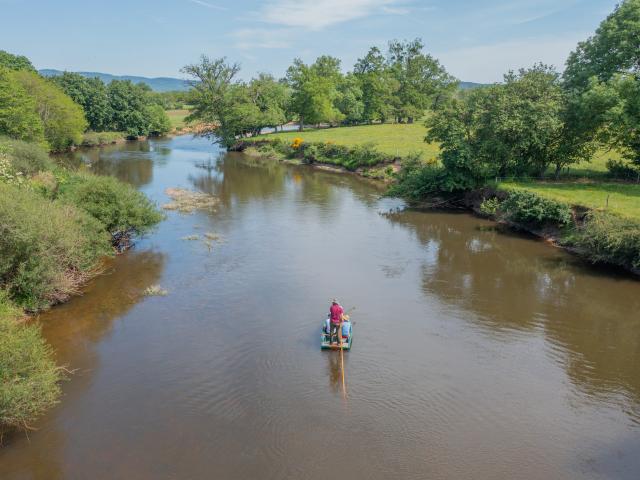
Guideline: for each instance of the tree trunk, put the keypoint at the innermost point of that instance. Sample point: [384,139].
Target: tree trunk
[558,170]
[301,123]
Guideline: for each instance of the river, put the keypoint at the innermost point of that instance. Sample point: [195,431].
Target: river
[477,353]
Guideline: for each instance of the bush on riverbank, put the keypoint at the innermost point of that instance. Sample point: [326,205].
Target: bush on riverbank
[350,158]
[529,209]
[609,238]
[28,376]
[97,139]
[119,207]
[27,158]
[49,248]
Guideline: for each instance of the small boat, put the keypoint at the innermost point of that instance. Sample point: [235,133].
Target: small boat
[347,340]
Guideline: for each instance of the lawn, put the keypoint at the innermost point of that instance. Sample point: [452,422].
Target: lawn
[394,139]
[177,117]
[621,198]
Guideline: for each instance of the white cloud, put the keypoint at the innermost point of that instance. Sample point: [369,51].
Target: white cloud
[319,14]
[208,5]
[248,38]
[487,63]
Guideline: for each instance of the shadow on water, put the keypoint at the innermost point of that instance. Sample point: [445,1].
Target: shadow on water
[505,285]
[73,330]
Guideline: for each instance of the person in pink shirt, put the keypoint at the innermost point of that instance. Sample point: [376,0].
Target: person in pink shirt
[336,312]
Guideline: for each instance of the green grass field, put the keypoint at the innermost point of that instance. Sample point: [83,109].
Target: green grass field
[177,117]
[623,198]
[394,139]
[590,189]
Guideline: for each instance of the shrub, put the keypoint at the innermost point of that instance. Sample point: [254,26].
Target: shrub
[28,376]
[609,238]
[48,248]
[18,117]
[624,170]
[95,139]
[27,158]
[490,206]
[526,207]
[118,206]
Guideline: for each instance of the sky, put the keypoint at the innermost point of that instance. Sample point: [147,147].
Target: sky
[475,40]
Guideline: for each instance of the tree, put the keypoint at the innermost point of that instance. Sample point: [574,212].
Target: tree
[314,90]
[62,118]
[603,76]
[91,95]
[18,117]
[130,105]
[511,129]
[15,62]
[350,100]
[377,84]
[422,81]
[615,48]
[159,122]
[271,98]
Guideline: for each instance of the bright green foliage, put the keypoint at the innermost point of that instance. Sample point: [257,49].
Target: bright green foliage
[91,95]
[95,139]
[604,75]
[525,207]
[28,376]
[15,62]
[159,122]
[62,118]
[18,117]
[118,206]
[350,100]
[232,108]
[27,158]
[512,129]
[422,81]
[48,248]
[609,238]
[615,48]
[314,90]
[377,84]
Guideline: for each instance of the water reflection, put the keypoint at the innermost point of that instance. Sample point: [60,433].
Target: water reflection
[507,284]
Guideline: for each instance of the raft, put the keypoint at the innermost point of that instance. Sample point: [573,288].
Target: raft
[326,345]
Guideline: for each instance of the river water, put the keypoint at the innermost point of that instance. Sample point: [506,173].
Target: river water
[477,353]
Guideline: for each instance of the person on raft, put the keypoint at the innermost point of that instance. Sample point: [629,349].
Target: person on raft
[337,313]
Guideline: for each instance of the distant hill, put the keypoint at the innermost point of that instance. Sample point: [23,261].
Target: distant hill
[159,84]
[471,85]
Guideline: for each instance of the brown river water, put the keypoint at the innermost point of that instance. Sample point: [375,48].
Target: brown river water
[477,353]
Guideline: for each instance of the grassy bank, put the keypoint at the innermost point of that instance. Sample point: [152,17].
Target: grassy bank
[56,226]
[97,139]
[396,140]
[177,118]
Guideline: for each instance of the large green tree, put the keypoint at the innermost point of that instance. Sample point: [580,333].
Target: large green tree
[62,118]
[91,95]
[377,85]
[18,117]
[422,81]
[603,77]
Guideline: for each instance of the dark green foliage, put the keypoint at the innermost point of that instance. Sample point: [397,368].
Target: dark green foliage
[529,209]
[609,238]
[28,376]
[118,206]
[623,170]
[422,82]
[159,122]
[15,62]
[47,247]
[27,158]
[91,95]
[18,116]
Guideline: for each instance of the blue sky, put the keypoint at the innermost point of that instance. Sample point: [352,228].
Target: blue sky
[475,40]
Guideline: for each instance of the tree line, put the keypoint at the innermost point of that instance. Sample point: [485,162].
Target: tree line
[55,112]
[537,119]
[397,86]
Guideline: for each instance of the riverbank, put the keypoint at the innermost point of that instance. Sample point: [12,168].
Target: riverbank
[56,227]
[596,221]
